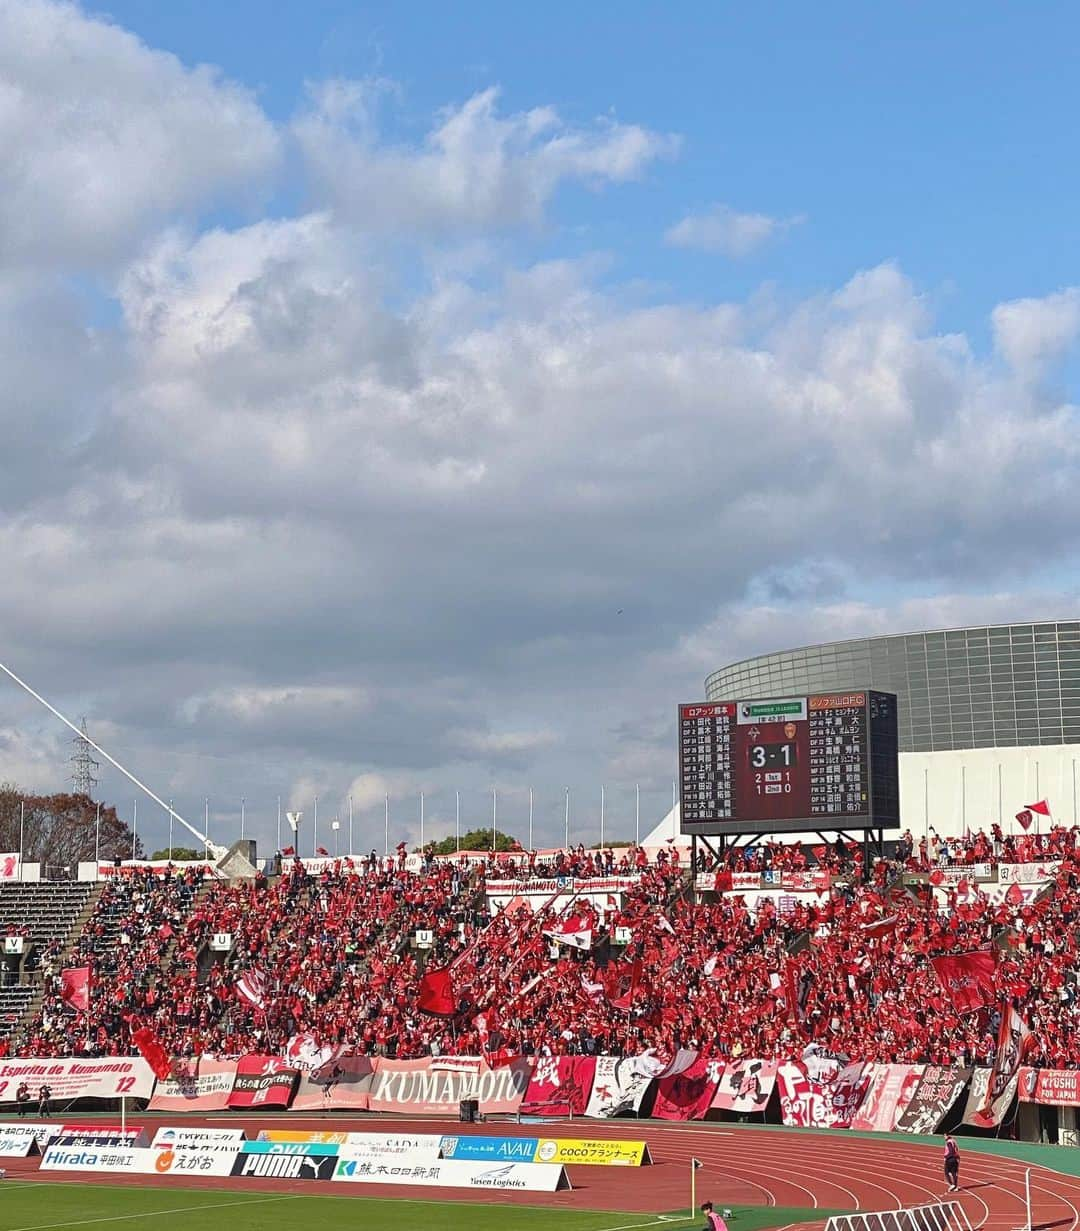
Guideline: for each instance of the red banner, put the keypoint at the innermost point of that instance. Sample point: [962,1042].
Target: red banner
[559,1085]
[262,1081]
[827,1100]
[889,1090]
[967,977]
[688,1095]
[415,1088]
[1053,1087]
[343,1084]
[746,1085]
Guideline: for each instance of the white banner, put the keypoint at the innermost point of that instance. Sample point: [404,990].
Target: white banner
[617,1088]
[1028,873]
[557,892]
[199,1139]
[16,1145]
[526,1177]
[362,1147]
[111,1077]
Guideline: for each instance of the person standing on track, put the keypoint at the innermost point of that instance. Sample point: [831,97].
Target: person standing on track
[22,1098]
[952,1163]
[45,1101]
[713,1221]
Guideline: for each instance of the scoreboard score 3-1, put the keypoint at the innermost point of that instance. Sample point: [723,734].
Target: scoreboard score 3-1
[786,764]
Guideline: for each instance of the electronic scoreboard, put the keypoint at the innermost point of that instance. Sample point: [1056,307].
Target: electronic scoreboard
[786,764]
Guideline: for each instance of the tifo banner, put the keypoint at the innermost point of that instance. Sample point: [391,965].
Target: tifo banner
[199,1139]
[476,1149]
[568,1150]
[617,1088]
[1020,873]
[828,1101]
[559,1085]
[977,1111]
[262,1081]
[746,1085]
[937,1090]
[110,1078]
[341,1085]
[889,1089]
[531,1177]
[1053,1087]
[413,1086]
[689,1094]
[196,1085]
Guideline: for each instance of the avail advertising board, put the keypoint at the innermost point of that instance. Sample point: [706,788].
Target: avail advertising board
[486,1149]
[109,1078]
[452,1173]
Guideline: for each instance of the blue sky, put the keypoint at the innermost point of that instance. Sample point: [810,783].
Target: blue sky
[428,397]
[941,136]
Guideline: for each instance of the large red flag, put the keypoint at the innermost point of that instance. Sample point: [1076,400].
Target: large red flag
[75,987]
[1013,1045]
[967,977]
[149,1047]
[436,995]
[1025,818]
[1042,807]
[630,978]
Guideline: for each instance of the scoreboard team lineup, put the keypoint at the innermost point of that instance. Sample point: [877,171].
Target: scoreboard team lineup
[824,761]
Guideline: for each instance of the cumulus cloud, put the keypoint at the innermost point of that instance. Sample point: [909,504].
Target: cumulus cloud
[726,231]
[475,168]
[1035,334]
[101,136]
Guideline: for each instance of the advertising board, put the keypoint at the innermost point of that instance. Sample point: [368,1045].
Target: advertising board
[199,1138]
[482,1149]
[451,1173]
[571,1150]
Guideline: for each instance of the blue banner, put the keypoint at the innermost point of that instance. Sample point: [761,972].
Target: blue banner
[310,1149]
[484,1149]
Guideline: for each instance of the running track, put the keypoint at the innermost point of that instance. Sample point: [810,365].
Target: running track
[742,1166]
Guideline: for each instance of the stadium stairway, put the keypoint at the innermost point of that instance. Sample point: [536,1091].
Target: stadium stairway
[52,913]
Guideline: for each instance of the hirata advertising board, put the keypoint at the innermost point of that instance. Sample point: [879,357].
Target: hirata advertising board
[452,1173]
[132,1159]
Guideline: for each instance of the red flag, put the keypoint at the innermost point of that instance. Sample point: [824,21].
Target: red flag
[321,850]
[1013,1045]
[967,977]
[75,987]
[149,1047]
[792,987]
[1014,895]
[436,994]
[1025,818]
[937,877]
[880,927]
[1042,807]
[624,1002]
[819,853]
[288,850]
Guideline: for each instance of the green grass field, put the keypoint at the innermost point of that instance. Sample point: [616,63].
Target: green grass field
[51,1207]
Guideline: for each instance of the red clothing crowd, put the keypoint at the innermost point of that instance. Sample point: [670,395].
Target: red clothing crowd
[712,971]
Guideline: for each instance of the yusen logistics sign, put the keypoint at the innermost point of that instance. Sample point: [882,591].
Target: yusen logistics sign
[571,1152]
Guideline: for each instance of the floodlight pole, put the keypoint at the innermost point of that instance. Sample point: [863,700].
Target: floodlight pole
[98,748]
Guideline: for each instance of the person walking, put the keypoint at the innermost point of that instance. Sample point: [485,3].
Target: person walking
[45,1101]
[22,1099]
[952,1163]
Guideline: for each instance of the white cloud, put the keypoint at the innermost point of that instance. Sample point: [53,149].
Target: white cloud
[100,136]
[1035,334]
[724,230]
[475,168]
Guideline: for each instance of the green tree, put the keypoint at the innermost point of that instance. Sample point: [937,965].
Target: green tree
[178,854]
[476,840]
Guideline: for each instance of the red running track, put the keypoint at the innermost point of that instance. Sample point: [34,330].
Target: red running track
[742,1166]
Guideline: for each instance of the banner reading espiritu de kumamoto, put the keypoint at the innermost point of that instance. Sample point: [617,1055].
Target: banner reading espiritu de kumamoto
[417,1088]
[111,1077]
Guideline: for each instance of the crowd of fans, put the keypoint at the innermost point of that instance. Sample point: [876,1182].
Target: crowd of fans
[335,955]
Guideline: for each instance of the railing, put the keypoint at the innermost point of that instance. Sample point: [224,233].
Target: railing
[935,1216]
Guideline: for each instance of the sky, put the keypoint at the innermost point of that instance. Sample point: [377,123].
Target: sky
[410,398]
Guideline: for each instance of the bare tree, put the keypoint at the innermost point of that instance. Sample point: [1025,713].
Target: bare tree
[60,830]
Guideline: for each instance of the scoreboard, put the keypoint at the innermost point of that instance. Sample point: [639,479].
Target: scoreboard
[787,764]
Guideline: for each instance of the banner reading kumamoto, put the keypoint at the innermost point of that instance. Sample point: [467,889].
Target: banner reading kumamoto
[414,1087]
[938,1089]
[262,1081]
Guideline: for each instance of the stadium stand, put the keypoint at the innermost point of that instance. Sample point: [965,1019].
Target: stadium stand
[847,967]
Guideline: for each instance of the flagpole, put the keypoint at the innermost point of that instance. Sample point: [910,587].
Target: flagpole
[22,830]
[566,843]
[530,819]
[170,831]
[350,828]
[315,830]
[97,837]
[601,819]
[421,822]
[279,822]
[494,814]
[457,821]
[637,814]
[386,825]
[134,827]
[243,816]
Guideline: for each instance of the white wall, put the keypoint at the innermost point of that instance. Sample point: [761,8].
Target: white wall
[946,789]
